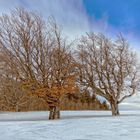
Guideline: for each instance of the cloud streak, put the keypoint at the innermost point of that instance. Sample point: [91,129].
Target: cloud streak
[71,15]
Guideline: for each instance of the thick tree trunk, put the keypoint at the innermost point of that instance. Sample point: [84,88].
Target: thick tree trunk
[115,109]
[17,108]
[54,113]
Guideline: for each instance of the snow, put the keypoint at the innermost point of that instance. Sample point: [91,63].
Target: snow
[73,125]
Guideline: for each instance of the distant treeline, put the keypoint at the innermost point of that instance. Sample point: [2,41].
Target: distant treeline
[81,101]
[84,101]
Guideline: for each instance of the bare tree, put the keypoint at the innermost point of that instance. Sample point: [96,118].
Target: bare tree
[108,68]
[38,56]
[63,75]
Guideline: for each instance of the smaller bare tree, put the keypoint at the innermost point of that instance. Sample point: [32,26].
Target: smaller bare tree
[109,68]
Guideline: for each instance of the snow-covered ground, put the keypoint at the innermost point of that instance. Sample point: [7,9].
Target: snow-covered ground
[73,125]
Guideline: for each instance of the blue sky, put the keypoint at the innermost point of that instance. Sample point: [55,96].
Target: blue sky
[121,14]
[79,16]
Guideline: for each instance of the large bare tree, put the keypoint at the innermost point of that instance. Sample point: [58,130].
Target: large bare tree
[38,56]
[108,68]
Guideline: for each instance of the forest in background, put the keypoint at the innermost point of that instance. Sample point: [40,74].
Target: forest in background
[80,101]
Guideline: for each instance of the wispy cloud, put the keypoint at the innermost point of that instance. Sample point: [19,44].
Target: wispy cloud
[72,16]
[68,13]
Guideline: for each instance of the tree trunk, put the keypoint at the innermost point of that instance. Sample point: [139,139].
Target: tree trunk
[54,113]
[115,109]
[17,108]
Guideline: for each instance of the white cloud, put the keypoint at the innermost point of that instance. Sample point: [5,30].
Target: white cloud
[68,13]
[72,15]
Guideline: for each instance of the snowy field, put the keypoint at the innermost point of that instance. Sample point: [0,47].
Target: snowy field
[73,125]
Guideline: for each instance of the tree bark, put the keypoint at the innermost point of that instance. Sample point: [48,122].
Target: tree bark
[54,113]
[115,109]
[17,108]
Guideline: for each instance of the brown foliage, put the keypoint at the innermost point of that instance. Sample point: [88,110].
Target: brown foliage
[37,56]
